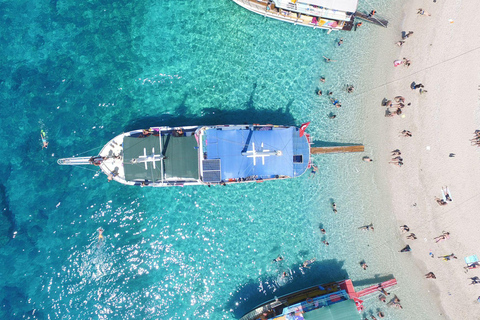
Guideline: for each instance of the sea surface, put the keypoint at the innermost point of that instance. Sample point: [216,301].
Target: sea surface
[85,71]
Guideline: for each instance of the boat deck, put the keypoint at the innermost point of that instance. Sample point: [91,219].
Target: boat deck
[340,22]
[112,154]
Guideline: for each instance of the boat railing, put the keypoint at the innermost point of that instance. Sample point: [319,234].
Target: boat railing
[80,161]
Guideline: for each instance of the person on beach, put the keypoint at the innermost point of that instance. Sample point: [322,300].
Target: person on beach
[400,43]
[382,290]
[412,236]
[406,133]
[448,257]
[278,259]
[404,228]
[406,35]
[380,314]
[406,249]
[396,152]
[399,99]
[367,159]
[397,163]
[475,280]
[441,202]
[423,12]
[334,207]
[350,88]
[430,275]
[382,298]
[364,265]
[474,265]
[444,236]
[446,193]
[329,60]
[406,62]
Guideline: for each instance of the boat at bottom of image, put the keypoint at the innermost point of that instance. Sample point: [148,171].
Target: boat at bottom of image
[195,155]
[334,300]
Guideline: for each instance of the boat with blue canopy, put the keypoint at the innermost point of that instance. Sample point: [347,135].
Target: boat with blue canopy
[196,155]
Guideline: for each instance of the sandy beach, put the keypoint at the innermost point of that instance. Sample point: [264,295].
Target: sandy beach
[444,52]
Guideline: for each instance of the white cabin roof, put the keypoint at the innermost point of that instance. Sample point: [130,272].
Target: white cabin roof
[341,5]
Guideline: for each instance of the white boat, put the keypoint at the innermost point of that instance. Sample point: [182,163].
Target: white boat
[324,14]
[195,155]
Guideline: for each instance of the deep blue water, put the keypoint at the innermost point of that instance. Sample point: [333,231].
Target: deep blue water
[84,71]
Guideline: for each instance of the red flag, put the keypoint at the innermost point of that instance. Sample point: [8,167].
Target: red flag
[303,127]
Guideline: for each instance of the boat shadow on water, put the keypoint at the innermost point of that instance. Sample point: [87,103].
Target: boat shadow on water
[260,290]
[216,116]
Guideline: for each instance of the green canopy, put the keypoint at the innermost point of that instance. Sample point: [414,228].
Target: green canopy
[180,162]
[181,157]
[345,310]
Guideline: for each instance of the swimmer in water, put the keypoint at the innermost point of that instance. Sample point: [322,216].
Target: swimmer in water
[100,233]
[43,135]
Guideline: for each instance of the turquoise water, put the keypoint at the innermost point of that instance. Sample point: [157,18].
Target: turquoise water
[86,71]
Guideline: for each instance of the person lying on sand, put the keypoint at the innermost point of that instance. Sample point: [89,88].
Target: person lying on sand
[446,193]
[404,228]
[441,202]
[430,275]
[474,265]
[382,290]
[448,257]
[406,133]
[412,236]
[444,236]
[475,280]
[397,163]
[406,249]
[396,152]
[423,12]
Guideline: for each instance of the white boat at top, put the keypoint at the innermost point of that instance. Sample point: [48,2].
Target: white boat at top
[325,14]
[195,155]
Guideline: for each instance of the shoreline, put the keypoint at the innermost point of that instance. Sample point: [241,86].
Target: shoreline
[442,121]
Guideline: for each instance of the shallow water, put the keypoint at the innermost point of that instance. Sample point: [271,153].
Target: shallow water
[86,71]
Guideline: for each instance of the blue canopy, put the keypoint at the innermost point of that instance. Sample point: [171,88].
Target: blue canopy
[265,152]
